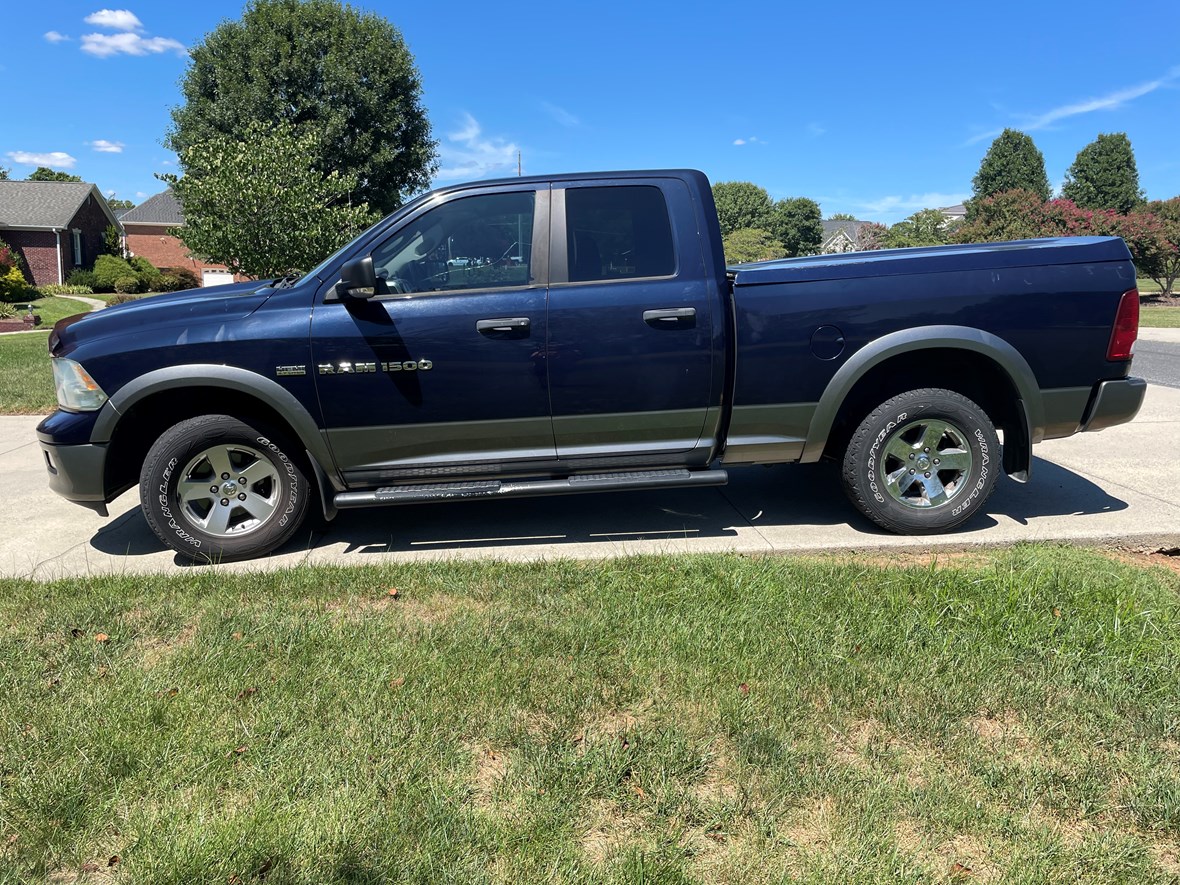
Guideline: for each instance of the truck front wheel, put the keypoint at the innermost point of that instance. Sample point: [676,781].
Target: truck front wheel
[923,462]
[216,489]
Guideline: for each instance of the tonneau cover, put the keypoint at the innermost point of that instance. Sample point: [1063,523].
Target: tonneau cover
[933,259]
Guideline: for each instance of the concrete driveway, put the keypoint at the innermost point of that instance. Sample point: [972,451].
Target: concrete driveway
[1117,486]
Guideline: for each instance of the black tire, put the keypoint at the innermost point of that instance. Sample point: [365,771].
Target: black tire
[893,471]
[192,495]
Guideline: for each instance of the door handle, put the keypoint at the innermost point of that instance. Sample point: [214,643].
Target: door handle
[502,325]
[672,317]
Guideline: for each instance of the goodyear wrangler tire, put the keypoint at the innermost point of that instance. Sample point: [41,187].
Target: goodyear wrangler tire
[216,489]
[923,462]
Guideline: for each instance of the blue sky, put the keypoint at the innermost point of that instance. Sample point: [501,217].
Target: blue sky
[874,109]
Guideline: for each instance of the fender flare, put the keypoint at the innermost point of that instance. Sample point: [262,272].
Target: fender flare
[231,378]
[1017,452]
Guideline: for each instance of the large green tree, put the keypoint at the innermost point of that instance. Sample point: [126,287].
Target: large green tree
[926,227]
[1162,263]
[751,244]
[1104,175]
[742,205]
[339,76]
[44,173]
[255,203]
[796,222]
[1013,162]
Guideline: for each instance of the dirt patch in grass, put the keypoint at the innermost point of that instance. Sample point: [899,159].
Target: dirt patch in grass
[718,786]
[154,650]
[1167,858]
[810,829]
[1003,732]
[1145,557]
[960,858]
[610,829]
[614,726]
[490,768]
[850,747]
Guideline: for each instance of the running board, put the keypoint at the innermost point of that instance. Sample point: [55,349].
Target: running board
[494,488]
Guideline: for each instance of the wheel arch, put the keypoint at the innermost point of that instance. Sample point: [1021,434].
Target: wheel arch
[145,407]
[990,370]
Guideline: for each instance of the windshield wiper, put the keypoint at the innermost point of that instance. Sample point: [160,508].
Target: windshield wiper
[286,281]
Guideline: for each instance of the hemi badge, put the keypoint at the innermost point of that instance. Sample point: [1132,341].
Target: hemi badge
[290,370]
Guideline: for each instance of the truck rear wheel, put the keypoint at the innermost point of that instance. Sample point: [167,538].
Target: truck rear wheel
[923,462]
[216,489]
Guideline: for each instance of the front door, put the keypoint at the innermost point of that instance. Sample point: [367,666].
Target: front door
[443,373]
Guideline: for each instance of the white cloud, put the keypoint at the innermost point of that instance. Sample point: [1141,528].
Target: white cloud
[561,115]
[753,139]
[467,153]
[815,129]
[1110,102]
[107,147]
[106,45]
[55,37]
[895,207]
[739,141]
[53,159]
[140,195]
[115,20]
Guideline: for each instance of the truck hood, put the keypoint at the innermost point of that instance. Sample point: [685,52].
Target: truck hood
[933,259]
[177,309]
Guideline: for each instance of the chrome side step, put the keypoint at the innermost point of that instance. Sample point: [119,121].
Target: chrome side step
[494,488]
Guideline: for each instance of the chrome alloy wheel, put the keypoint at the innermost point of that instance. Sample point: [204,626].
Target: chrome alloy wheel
[229,490]
[926,463]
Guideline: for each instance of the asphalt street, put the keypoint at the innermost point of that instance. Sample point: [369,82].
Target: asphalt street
[1113,487]
[1158,359]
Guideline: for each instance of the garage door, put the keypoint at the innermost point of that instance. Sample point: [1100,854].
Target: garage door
[216,277]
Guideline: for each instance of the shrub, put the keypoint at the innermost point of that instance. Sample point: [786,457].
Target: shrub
[185,279]
[65,289]
[127,285]
[84,278]
[149,276]
[14,287]
[9,257]
[123,298]
[109,269]
[7,312]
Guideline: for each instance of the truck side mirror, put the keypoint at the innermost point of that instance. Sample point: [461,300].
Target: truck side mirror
[357,279]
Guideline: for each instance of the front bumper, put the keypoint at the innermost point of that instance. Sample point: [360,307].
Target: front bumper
[1115,402]
[77,472]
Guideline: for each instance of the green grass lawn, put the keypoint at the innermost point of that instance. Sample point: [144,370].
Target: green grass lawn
[696,719]
[1159,317]
[26,379]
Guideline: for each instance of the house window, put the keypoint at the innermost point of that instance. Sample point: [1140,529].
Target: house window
[77,248]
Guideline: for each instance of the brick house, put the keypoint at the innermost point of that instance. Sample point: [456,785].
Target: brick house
[148,232]
[56,226]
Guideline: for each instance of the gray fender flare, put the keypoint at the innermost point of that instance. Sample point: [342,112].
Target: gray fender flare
[231,378]
[1007,357]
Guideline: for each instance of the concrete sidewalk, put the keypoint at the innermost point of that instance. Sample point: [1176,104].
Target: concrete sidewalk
[1117,486]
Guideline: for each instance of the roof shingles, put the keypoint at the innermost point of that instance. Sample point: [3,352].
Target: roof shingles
[41,204]
[163,208]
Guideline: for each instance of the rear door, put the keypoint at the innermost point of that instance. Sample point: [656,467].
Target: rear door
[631,322]
[443,373]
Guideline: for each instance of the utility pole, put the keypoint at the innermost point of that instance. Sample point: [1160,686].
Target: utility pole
[518,165]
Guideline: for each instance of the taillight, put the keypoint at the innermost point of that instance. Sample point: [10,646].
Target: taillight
[1126,327]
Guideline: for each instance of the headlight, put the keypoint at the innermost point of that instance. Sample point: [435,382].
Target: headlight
[76,390]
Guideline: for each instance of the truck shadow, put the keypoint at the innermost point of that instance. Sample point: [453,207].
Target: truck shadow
[760,507]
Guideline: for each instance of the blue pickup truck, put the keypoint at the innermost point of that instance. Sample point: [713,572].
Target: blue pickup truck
[582,333]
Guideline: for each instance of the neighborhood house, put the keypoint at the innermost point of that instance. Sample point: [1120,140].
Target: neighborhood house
[56,226]
[148,232]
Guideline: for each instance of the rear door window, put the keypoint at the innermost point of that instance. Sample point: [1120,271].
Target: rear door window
[618,233]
